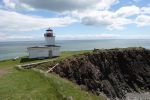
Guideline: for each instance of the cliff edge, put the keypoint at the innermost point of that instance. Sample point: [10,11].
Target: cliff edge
[113,72]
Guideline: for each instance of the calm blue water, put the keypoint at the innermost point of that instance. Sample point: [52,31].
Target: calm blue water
[16,49]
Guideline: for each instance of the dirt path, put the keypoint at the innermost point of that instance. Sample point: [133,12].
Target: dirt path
[3,72]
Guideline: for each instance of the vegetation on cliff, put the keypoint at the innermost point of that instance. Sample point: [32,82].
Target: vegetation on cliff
[114,72]
[20,84]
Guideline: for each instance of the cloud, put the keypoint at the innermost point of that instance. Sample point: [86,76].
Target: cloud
[106,4]
[107,19]
[84,36]
[14,4]
[87,36]
[119,23]
[18,37]
[127,11]
[96,21]
[143,20]
[3,35]
[13,21]
[9,3]
[63,5]
[94,12]
[145,10]
[112,19]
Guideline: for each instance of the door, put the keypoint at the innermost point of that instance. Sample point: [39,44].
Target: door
[50,53]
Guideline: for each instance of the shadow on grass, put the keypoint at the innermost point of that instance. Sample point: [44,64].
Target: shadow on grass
[26,59]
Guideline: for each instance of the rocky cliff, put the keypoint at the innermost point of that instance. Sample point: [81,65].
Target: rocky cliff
[114,72]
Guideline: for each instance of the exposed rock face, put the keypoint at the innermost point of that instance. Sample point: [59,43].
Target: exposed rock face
[112,71]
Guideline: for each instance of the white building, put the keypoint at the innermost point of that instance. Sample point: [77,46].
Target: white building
[49,50]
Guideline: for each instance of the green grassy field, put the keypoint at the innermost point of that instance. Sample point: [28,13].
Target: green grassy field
[21,84]
[9,63]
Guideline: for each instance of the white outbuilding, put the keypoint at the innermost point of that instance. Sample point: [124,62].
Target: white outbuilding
[46,51]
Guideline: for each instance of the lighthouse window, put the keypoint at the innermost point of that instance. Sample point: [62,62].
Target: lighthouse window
[49,35]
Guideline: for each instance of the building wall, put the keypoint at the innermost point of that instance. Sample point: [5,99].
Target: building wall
[50,40]
[56,51]
[44,52]
[38,53]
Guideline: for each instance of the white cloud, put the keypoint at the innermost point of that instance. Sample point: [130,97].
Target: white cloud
[3,35]
[142,20]
[106,4]
[9,3]
[64,5]
[110,23]
[101,18]
[127,11]
[87,36]
[101,36]
[145,10]
[56,5]
[13,4]
[119,23]
[18,37]
[111,20]
[13,21]
[88,12]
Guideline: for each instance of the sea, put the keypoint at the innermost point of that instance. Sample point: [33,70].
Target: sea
[15,49]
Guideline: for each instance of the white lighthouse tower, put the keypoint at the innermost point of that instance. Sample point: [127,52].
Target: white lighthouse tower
[46,51]
[49,38]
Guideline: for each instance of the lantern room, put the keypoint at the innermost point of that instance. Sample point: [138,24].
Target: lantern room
[49,33]
[49,37]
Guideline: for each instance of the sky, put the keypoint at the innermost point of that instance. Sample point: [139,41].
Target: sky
[26,20]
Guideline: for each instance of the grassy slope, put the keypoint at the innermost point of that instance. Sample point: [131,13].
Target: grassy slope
[9,63]
[31,85]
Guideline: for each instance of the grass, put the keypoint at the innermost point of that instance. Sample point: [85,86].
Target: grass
[65,54]
[71,53]
[9,63]
[32,85]
[45,66]
[21,84]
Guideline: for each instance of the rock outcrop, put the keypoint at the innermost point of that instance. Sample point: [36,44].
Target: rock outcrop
[114,72]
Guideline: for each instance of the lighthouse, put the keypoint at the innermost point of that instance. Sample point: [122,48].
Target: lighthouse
[49,37]
[47,50]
